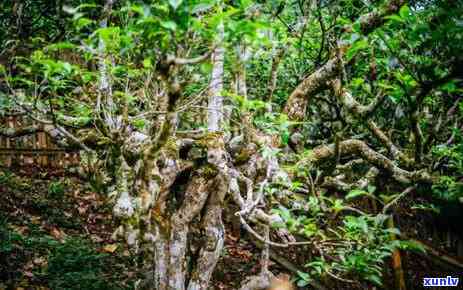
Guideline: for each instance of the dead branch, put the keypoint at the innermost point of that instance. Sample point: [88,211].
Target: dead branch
[393,150]
[397,198]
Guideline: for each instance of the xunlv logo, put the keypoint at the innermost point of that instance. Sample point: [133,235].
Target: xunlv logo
[440,282]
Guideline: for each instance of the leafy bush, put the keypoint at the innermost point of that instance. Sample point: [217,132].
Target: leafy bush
[72,264]
[56,189]
[75,265]
[10,255]
[448,189]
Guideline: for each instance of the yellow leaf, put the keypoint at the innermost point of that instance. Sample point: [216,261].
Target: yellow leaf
[110,248]
[35,220]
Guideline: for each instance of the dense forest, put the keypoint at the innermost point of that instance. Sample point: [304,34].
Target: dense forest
[231,144]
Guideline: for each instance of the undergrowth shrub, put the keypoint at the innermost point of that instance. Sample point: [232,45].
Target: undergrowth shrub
[72,264]
[11,256]
[76,265]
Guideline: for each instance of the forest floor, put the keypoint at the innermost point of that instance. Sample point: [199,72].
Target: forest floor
[55,233]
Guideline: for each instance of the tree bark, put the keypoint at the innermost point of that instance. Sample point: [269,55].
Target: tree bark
[298,100]
[360,148]
[215,113]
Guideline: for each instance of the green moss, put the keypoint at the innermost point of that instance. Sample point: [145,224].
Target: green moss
[211,140]
[209,171]
[76,265]
[171,148]
[242,157]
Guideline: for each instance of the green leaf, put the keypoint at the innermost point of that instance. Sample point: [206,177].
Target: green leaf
[356,27]
[356,193]
[169,25]
[375,279]
[395,18]
[338,205]
[86,5]
[82,22]
[67,67]
[175,3]
[138,9]
[200,7]
[379,219]
[394,231]
[355,48]
[371,188]
[278,225]
[387,198]
[302,283]
[147,63]
[426,207]
[139,123]
[449,87]
[309,230]
[285,137]
[304,276]
[412,245]
[284,213]
[60,45]
[69,9]
[108,34]
[404,12]
[87,77]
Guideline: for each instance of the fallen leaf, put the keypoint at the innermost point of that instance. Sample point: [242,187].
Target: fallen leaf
[110,248]
[233,238]
[82,209]
[20,229]
[35,220]
[28,274]
[40,261]
[57,233]
[90,196]
[96,239]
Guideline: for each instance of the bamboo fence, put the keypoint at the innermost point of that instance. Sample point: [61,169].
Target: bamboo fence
[32,150]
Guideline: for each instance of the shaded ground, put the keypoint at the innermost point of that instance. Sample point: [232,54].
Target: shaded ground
[55,233]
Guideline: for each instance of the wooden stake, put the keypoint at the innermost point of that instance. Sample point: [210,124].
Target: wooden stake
[397,262]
